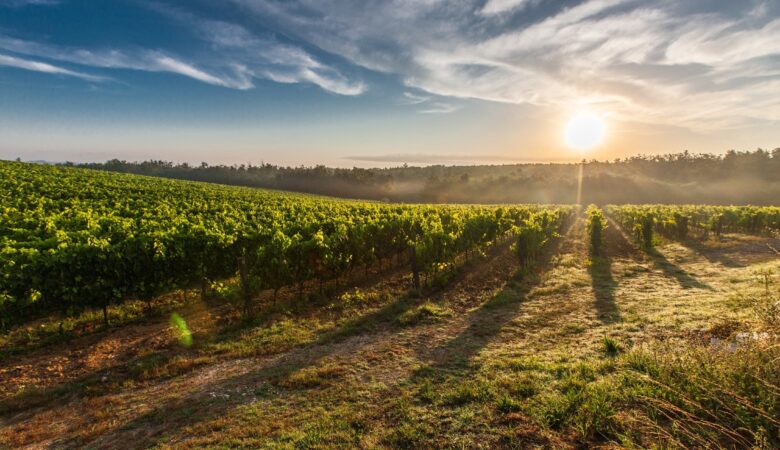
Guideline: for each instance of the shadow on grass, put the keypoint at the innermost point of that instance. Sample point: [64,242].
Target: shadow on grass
[216,397]
[604,285]
[672,270]
[487,321]
[713,255]
[104,380]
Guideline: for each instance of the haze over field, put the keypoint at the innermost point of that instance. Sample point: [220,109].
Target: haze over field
[381,83]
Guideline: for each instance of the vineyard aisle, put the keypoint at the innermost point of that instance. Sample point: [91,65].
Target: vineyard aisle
[481,362]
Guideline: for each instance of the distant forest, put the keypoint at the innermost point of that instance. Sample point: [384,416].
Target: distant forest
[732,178]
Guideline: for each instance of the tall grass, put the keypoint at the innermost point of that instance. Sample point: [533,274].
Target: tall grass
[706,397]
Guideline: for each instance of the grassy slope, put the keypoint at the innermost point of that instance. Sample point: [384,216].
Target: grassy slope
[493,359]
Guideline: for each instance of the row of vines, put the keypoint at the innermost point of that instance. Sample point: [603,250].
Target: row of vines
[72,238]
[678,221]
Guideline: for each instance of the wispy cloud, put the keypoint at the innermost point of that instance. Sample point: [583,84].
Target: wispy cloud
[263,56]
[700,65]
[37,66]
[167,64]
[414,99]
[238,57]
[439,108]
[691,64]
[142,60]
[502,6]
[429,106]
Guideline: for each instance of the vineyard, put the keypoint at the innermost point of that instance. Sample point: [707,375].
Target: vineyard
[71,238]
[140,312]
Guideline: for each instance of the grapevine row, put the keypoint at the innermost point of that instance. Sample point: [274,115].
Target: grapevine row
[73,238]
[676,221]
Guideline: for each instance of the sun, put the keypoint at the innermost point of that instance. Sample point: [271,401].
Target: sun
[584,131]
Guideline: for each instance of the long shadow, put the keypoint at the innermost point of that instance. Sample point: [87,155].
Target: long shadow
[715,256]
[672,270]
[93,383]
[600,271]
[604,285]
[667,267]
[486,322]
[198,406]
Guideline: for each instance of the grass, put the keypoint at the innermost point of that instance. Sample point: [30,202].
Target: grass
[428,312]
[521,362]
[611,347]
[55,329]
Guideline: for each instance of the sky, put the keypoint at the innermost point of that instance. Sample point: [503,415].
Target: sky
[374,83]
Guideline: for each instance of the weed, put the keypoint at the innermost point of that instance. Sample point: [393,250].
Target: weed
[428,312]
[610,346]
[507,404]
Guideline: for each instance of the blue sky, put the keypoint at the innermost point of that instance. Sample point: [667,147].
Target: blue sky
[374,83]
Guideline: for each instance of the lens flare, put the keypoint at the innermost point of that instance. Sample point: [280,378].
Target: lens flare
[181,328]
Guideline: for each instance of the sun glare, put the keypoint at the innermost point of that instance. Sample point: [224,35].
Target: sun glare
[584,131]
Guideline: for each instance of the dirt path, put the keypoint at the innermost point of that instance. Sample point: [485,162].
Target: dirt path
[100,413]
[361,383]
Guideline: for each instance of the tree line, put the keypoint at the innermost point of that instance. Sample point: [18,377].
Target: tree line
[736,177]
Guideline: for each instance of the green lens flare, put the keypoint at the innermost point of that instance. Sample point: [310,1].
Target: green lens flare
[185,335]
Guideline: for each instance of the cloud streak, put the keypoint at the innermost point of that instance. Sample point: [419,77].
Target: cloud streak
[438,108]
[263,57]
[37,66]
[237,57]
[142,60]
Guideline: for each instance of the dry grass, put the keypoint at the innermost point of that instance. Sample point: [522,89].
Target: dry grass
[570,355]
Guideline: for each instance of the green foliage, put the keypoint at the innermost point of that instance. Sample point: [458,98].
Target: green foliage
[676,221]
[596,223]
[641,178]
[72,238]
[535,231]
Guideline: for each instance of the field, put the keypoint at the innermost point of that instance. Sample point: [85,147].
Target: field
[140,312]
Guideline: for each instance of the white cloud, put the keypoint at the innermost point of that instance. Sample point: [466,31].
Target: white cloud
[414,99]
[168,64]
[656,61]
[37,66]
[240,56]
[501,6]
[696,64]
[439,108]
[143,60]
[264,56]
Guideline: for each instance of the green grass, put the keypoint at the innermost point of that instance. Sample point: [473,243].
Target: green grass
[427,312]
[535,364]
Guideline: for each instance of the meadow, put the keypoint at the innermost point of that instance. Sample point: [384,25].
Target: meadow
[142,312]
